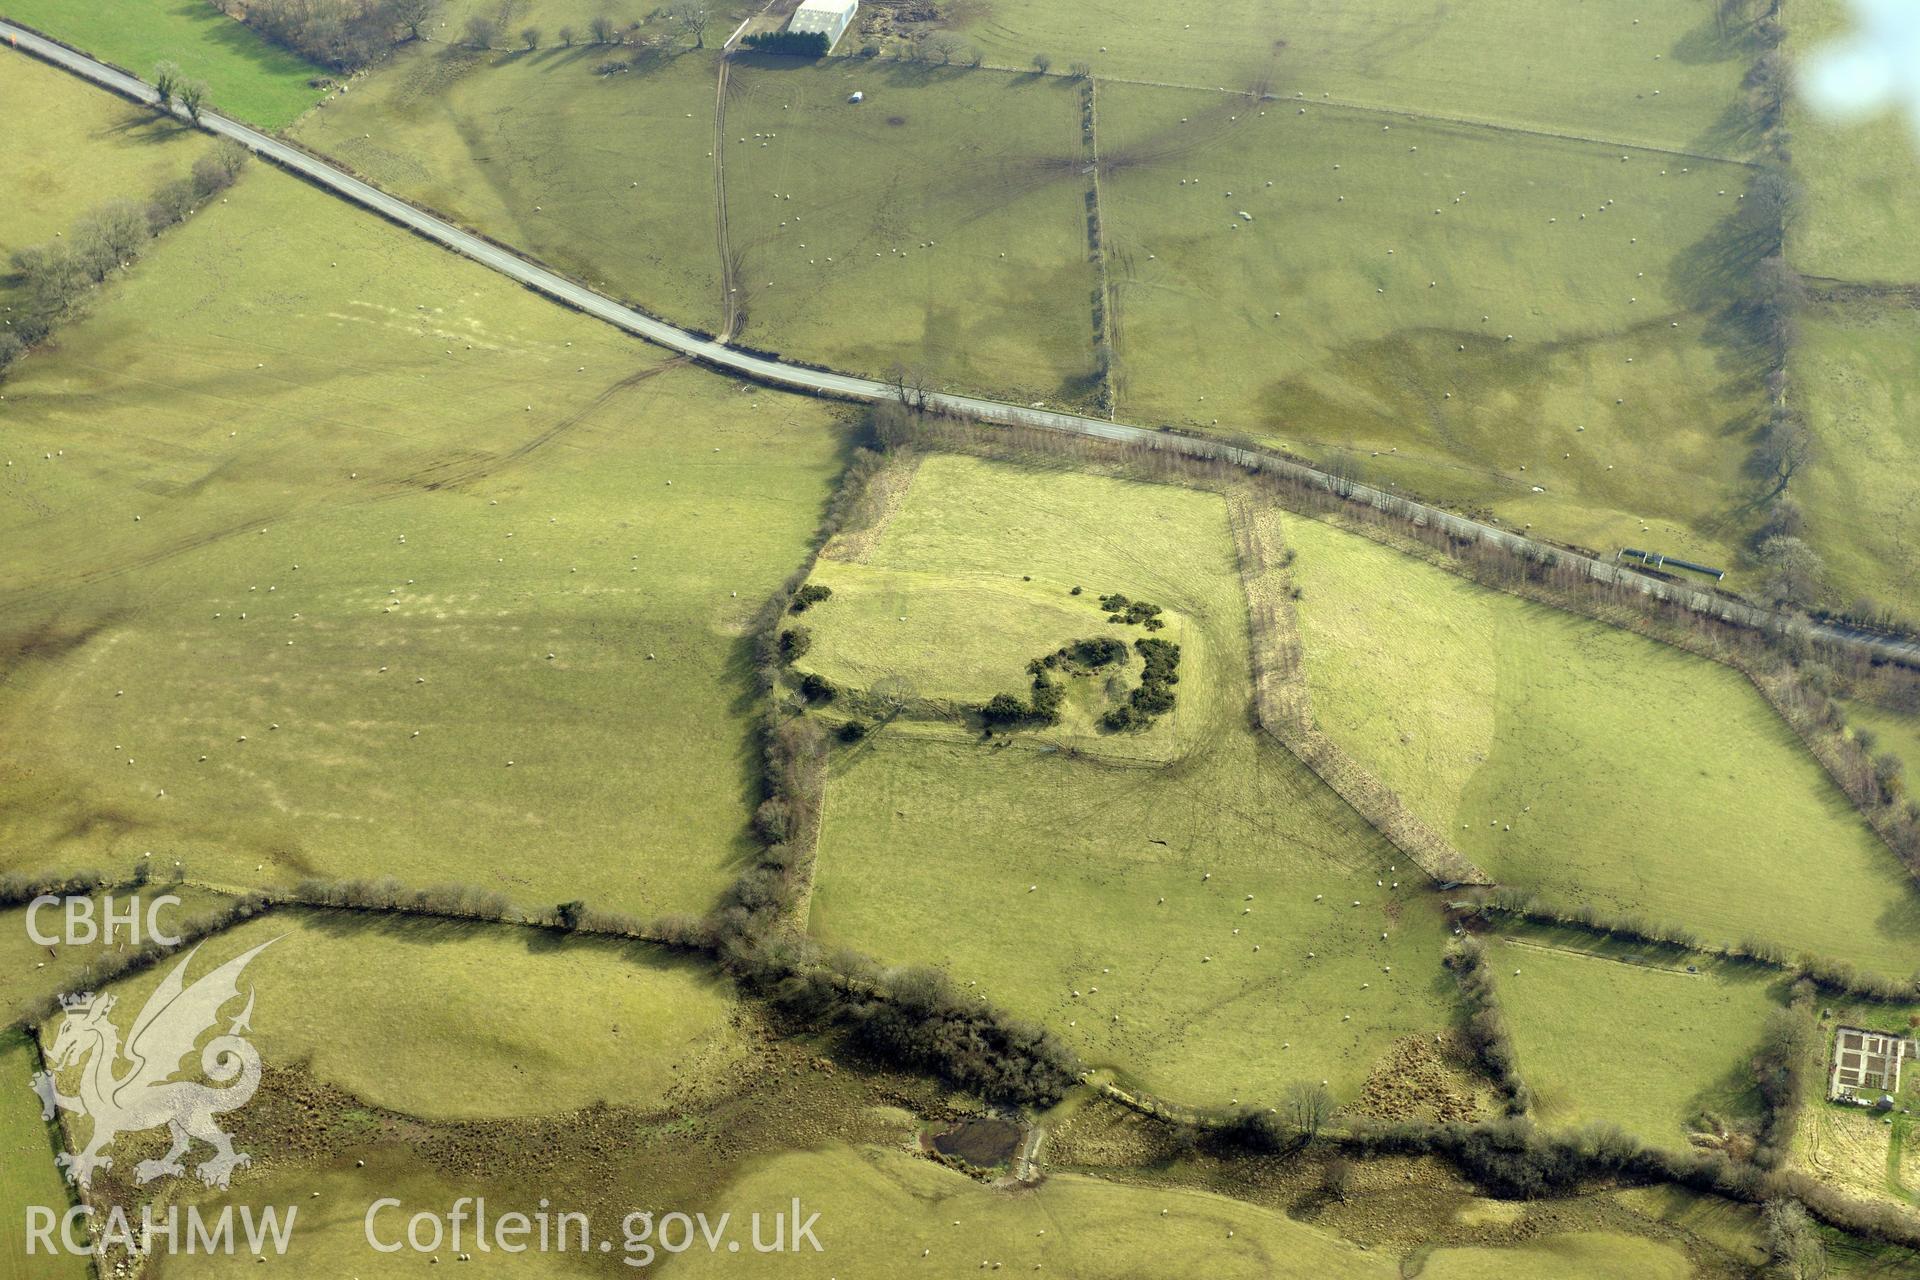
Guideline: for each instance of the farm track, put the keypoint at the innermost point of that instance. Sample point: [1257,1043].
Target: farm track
[823,382]
[729,265]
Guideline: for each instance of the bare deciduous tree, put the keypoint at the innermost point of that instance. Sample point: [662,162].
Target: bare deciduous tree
[691,18]
[530,37]
[414,14]
[1794,570]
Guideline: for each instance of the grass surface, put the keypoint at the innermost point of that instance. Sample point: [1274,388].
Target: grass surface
[940,223]
[879,1210]
[1590,69]
[1366,308]
[1588,763]
[1860,219]
[246,77]
[28,1176]
[130,153]
[1567,995]
[469,480]
[32,972]
[449,1021]
[1584,1255]
[606,178]
[1169,992]
[1855,371]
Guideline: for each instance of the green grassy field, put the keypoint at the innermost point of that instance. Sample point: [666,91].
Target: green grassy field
[1854,373]
[30,971]
[468,480]
[28,1175]
[957,642]
[1584,1255]
[1861,178]
[130,153]
[1636,71]
[607,178]
[1567,995]
[246,77]
[1591,764]
[1153,885]
[940,223]
[452,1021]
[1518,323]
[885,1213]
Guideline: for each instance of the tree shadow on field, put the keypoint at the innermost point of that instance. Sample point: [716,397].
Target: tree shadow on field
[1738,130]
[1706,43]
[235,38]
[148,129]
[1715,277]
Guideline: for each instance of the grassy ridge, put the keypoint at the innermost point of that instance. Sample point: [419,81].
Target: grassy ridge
[453,1021]
[885,1213]
[246,77]
[1590,764]
[469,480]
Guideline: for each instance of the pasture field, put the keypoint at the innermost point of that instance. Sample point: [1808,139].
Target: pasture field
[247,77]
[32,972]
[945,641]
[940,224]
[1588,763]
[605,177]
[448,1021]
[1860,216]
[1568,996]
[1581,1255]
[1174,905]
[1518,323]
[1855,370]
[28,1175]
[1640,71]
[885,1213]
[933,616]
[468,480]
[131,153]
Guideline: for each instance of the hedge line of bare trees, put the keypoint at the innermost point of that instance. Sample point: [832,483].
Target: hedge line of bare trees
[57,278]
[1836,977]
[342,34]
[1771,298]
[1486,1026]
[911,1017]
[1780,1073]
[105,966]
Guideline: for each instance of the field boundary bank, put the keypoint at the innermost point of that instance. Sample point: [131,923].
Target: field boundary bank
[776,372]
[1103,351]
[1405,113]
[1283,706]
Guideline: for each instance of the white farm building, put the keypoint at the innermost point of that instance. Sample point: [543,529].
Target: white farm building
[829,18]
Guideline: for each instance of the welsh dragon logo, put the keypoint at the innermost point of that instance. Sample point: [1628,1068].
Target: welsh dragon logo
[143,1094]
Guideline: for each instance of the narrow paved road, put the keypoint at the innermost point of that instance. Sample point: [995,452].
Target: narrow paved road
[847,387]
